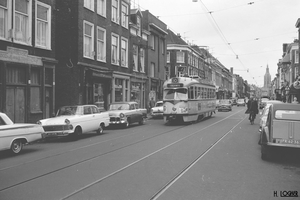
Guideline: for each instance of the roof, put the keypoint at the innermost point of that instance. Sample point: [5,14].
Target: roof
[172,38]
[286,106]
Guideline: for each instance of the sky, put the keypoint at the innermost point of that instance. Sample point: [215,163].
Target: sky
[247,35]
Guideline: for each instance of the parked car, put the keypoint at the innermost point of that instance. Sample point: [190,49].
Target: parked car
[157,110]
[225,104]
[263,103]
[126,113]
[281,129]
[233,102]
[241,102]
[14,136]
[263,115]
[75,120]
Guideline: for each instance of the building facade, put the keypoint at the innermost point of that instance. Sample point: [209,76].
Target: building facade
[27,59]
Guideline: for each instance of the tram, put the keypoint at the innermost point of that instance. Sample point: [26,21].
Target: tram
[188,99]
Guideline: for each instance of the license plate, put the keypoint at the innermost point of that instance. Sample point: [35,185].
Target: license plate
[289,141]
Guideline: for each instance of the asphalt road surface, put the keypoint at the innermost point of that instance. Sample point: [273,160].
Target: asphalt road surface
[217,158]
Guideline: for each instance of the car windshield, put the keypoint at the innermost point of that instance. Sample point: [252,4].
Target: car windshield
[4,120]
[287,115]
[176,94]
[68,110]
[121,106]
[159,104]
[223,101]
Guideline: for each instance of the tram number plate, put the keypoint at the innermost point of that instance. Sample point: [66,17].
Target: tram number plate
[284,141]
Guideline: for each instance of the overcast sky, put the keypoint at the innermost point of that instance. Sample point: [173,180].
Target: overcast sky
[244,34]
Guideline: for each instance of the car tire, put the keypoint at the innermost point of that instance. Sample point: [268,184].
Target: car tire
[100,130]
[74,136]
[16,146]
[143,120]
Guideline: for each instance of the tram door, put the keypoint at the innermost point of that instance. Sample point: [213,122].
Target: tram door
[15,104]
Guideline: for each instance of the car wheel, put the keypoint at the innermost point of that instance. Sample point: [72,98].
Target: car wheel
[100,129]
[16,146]
[76,134]
[143,120]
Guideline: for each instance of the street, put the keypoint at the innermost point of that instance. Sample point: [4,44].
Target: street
[217,158]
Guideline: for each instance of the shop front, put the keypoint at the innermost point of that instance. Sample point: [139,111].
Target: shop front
[120,87]
[98,82]
[137,92]
[26,85]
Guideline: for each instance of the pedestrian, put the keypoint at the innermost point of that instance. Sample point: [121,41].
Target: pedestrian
[151,103]
[252,106]
[295,100]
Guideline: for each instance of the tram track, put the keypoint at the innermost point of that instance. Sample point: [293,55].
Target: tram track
[114,150]
[82,161]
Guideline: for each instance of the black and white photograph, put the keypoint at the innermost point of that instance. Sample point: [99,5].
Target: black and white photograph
[149,99]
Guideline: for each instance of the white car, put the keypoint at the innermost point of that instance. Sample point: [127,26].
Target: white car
[157,110]
[74,121]
[14,136]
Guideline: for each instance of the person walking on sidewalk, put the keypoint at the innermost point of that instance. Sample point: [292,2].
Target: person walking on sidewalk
[252,106]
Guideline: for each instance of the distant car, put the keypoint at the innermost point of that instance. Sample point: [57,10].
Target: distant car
[241,102]
[75,120]
[263,103]
[126,113]
[281,129]
[157,111]
[263,116]
[217,103]
[233,102]
[225,104]
[14,136]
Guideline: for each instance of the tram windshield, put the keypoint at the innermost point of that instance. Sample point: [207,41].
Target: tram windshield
[176,94]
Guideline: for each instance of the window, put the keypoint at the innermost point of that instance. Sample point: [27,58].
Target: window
[101,7]
[162,46]
[4,13]
[89,4]
[22,21]
[152,70]
[43,25]
[135,58]
[115,49]
[124,52]
[142,60]
[180,56]
[152,42]
[101,44]
[88,47]
[115,11]
[296,56]
[35,90]
[168,56]
[16,75]
[124,15]
[139,24]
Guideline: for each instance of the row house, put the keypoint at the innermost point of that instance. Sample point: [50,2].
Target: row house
[92,52]
[108,53]
[183,59]
[27,59]
[288,70]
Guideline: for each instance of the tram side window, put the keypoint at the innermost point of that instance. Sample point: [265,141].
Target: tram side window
[198,94]
[191,92]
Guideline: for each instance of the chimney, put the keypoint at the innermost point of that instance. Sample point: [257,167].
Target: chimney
[178,35]
[231,70]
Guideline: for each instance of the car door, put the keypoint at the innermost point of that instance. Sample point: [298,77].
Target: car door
[88,119]
[138,113]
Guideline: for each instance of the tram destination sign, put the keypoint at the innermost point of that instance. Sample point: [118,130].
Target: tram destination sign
[175,85]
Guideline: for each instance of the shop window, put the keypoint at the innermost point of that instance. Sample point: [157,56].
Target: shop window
[118,90]
[15,75]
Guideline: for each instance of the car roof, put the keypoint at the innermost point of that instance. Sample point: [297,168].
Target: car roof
[286,106]
[128,102]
